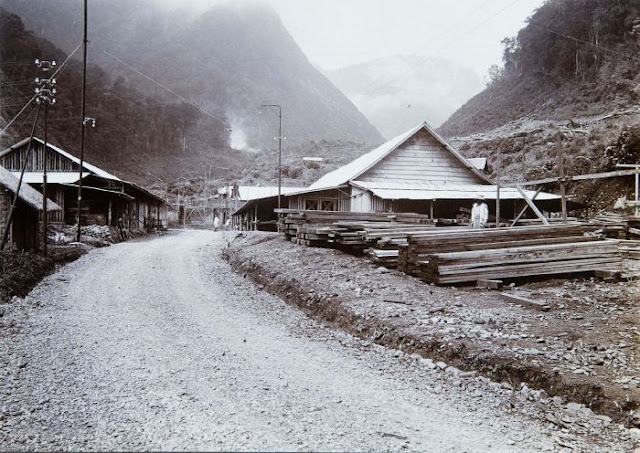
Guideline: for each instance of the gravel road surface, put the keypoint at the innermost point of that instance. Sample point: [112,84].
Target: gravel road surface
[157,344]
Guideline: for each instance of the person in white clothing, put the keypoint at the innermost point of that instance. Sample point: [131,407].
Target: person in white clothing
[216,223]
[479,213]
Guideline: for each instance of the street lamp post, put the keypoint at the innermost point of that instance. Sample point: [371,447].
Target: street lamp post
[279,150]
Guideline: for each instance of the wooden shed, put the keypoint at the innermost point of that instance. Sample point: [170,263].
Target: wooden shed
[24,231]
[105,197]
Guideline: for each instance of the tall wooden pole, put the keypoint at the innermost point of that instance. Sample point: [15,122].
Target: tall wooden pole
[82,121]
[498,188]
[45,215]
[279,157]
[563,194]
[637,189]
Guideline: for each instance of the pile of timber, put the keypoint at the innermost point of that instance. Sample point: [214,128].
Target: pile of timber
[444,240]
[527,261]
[446,256]
[377,234]
[618,226]
[630,249]
[611,225]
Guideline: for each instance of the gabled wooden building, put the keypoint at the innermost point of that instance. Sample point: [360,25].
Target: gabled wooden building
[24,231]
[105,197]
[417,171]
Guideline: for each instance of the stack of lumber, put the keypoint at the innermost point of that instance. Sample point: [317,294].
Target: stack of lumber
[630,249]
[443,240]
[515,262]
[377,233]
[612,225]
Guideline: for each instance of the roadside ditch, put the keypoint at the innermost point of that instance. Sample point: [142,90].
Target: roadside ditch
[583,350]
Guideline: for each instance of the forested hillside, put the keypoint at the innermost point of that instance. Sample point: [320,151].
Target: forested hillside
[139,137]
[569,86]
[574,58]
[230,59]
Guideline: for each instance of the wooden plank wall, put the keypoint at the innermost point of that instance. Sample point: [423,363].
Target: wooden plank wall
[342,197]
[421,159]
[55,162]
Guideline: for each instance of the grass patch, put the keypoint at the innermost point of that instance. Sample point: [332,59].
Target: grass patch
[20,271]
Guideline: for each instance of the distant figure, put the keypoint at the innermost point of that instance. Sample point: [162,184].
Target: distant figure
[228,224]
[216,223]
[479,213]
[123,231]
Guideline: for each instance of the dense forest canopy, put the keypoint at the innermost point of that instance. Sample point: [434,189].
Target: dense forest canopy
[573,58]
[139,137]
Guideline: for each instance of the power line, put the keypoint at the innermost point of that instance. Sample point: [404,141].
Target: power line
[164,87]
[33,97]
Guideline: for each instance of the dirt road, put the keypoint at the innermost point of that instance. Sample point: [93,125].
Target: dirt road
[159,345]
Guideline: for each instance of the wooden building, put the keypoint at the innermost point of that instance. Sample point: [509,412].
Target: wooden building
[417,171]
[24,231]
[105,197]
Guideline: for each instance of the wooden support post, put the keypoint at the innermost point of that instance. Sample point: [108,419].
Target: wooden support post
[532,205]
[637,188]
[498,188]
[431,209]
[255,216]
[563,193]
[515,220]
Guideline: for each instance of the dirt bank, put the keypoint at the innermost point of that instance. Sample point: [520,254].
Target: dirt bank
[584,349]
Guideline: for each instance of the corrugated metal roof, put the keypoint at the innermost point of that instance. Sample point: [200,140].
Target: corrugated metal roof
[53,177]
[426,191]
[27,193]
[253,192]
[357,167]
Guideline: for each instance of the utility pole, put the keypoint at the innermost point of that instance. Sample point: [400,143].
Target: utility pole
[279,150]
[84,120]
[45,95]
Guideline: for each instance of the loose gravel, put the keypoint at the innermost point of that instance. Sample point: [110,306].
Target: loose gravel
[159,345]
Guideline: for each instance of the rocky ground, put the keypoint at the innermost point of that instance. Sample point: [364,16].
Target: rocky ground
[159,345]
[578,357]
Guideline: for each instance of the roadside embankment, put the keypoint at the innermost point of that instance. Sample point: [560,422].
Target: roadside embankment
[584,349]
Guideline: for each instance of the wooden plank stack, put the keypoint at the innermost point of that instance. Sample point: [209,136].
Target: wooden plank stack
[448,255]
[443,240]
[378,233]
[630,249]
[515,262]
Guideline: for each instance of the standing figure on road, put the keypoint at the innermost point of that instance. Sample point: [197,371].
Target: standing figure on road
[216,222]
[479,213]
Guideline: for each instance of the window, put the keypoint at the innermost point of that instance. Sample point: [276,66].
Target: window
[311,205]
[321,205]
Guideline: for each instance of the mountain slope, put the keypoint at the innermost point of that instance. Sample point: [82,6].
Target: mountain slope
[570,85]
[229,60]
[574,58]
[396,93]
[136,137]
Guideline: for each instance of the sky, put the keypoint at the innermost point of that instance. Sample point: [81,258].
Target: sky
[338,33]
